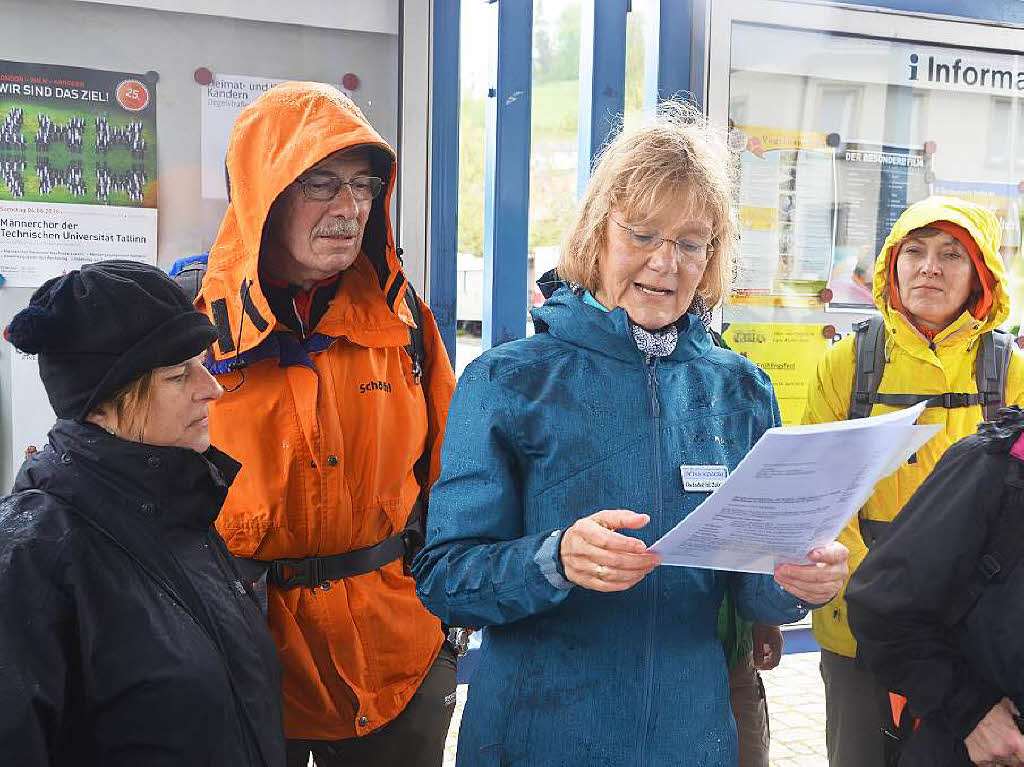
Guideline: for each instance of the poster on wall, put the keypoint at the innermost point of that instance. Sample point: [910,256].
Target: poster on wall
[788,353]
[78,169]
[876,183]
[223,100]
[1002,199]
[785,203]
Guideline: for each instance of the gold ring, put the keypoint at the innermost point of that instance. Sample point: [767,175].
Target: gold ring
[599,572]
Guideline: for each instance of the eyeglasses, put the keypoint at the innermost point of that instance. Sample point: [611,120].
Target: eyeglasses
[686,250]
[325,186]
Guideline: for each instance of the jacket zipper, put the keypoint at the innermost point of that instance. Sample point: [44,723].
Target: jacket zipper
[302,325]
[651,363]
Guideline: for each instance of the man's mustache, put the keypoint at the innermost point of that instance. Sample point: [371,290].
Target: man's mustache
[338,227]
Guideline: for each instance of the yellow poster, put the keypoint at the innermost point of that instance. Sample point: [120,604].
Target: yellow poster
[762,138]
[789,354]
[784,205]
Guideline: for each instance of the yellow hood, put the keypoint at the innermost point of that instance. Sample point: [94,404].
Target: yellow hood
[983,226]
[275,139]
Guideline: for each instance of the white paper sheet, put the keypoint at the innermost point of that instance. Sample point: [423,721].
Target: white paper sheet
[794,491]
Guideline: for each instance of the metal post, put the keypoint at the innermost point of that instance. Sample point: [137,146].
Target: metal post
[669,54]
[444,168]
[602,79]
[507,180]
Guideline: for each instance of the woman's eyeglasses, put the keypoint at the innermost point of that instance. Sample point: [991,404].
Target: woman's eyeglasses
[325,186]
[685,250]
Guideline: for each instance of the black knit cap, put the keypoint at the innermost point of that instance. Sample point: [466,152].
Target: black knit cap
[100,327]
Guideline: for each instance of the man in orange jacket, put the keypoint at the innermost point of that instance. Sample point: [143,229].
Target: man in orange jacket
[337,419]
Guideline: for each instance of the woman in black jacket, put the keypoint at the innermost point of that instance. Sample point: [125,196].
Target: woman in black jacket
[127,636]
[937,607]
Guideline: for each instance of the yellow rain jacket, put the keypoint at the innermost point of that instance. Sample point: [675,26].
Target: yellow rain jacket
[328,429]
[912,366]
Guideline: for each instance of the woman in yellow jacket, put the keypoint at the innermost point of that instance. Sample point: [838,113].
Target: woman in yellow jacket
[940,285]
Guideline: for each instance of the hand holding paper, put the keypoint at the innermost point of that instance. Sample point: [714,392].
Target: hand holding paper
[819,581]
[793,493]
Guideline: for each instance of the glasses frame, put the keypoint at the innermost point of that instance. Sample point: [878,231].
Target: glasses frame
[303,182]
[657,241]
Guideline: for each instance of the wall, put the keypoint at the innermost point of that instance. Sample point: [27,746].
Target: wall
[132,39]
[353,15]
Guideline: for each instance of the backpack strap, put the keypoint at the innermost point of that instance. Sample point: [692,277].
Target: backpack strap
[990,370]
[415,531]
[870,350]
[416,349]
[992,362]
[1004,547]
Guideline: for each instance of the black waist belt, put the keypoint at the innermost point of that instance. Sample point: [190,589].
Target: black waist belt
[319,571]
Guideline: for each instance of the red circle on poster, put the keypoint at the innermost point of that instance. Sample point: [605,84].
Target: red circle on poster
[825,295]
[203,76]
[350,81]
[132,95]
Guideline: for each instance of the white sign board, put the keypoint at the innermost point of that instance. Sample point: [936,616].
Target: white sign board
[758,48]
[33,417]
[43,240]
[223,100]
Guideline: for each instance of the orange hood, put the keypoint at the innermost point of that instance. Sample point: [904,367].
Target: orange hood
[284,132]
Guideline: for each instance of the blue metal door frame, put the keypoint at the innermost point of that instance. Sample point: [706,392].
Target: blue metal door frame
[444,168]
[602,79]
[507,177]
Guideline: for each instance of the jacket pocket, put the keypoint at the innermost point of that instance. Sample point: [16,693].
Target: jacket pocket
[244,539]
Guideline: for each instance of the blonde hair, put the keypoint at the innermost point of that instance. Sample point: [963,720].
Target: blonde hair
[678,156]
[130,406]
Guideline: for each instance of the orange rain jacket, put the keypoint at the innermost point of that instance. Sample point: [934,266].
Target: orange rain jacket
[327,458]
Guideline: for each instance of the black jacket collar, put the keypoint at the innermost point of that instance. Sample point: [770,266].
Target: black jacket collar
[167,486]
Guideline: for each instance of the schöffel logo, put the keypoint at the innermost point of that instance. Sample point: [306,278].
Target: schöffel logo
[375,386]
[959,72]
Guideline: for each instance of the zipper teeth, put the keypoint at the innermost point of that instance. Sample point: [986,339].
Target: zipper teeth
[302,325]
[652,378]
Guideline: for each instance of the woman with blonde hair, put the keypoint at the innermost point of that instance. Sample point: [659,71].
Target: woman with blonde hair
[557,442]
[127,636]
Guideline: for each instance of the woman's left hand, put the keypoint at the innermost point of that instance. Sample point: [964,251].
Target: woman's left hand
[820,581]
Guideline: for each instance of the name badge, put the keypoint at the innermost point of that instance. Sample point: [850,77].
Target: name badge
[703,479]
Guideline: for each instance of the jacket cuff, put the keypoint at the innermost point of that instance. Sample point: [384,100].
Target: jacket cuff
[968,707]
[790,605]
[548,558]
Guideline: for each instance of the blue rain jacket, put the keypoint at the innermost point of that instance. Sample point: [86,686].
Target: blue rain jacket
[552,428]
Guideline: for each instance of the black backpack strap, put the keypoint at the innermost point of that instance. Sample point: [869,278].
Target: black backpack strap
[990,370]
[416,349]
[991,366]
[1004,547]
[948,400]
[415,530]
[870,341]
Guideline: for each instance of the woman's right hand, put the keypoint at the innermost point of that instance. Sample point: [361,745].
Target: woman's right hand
[997,740]
[596,557]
